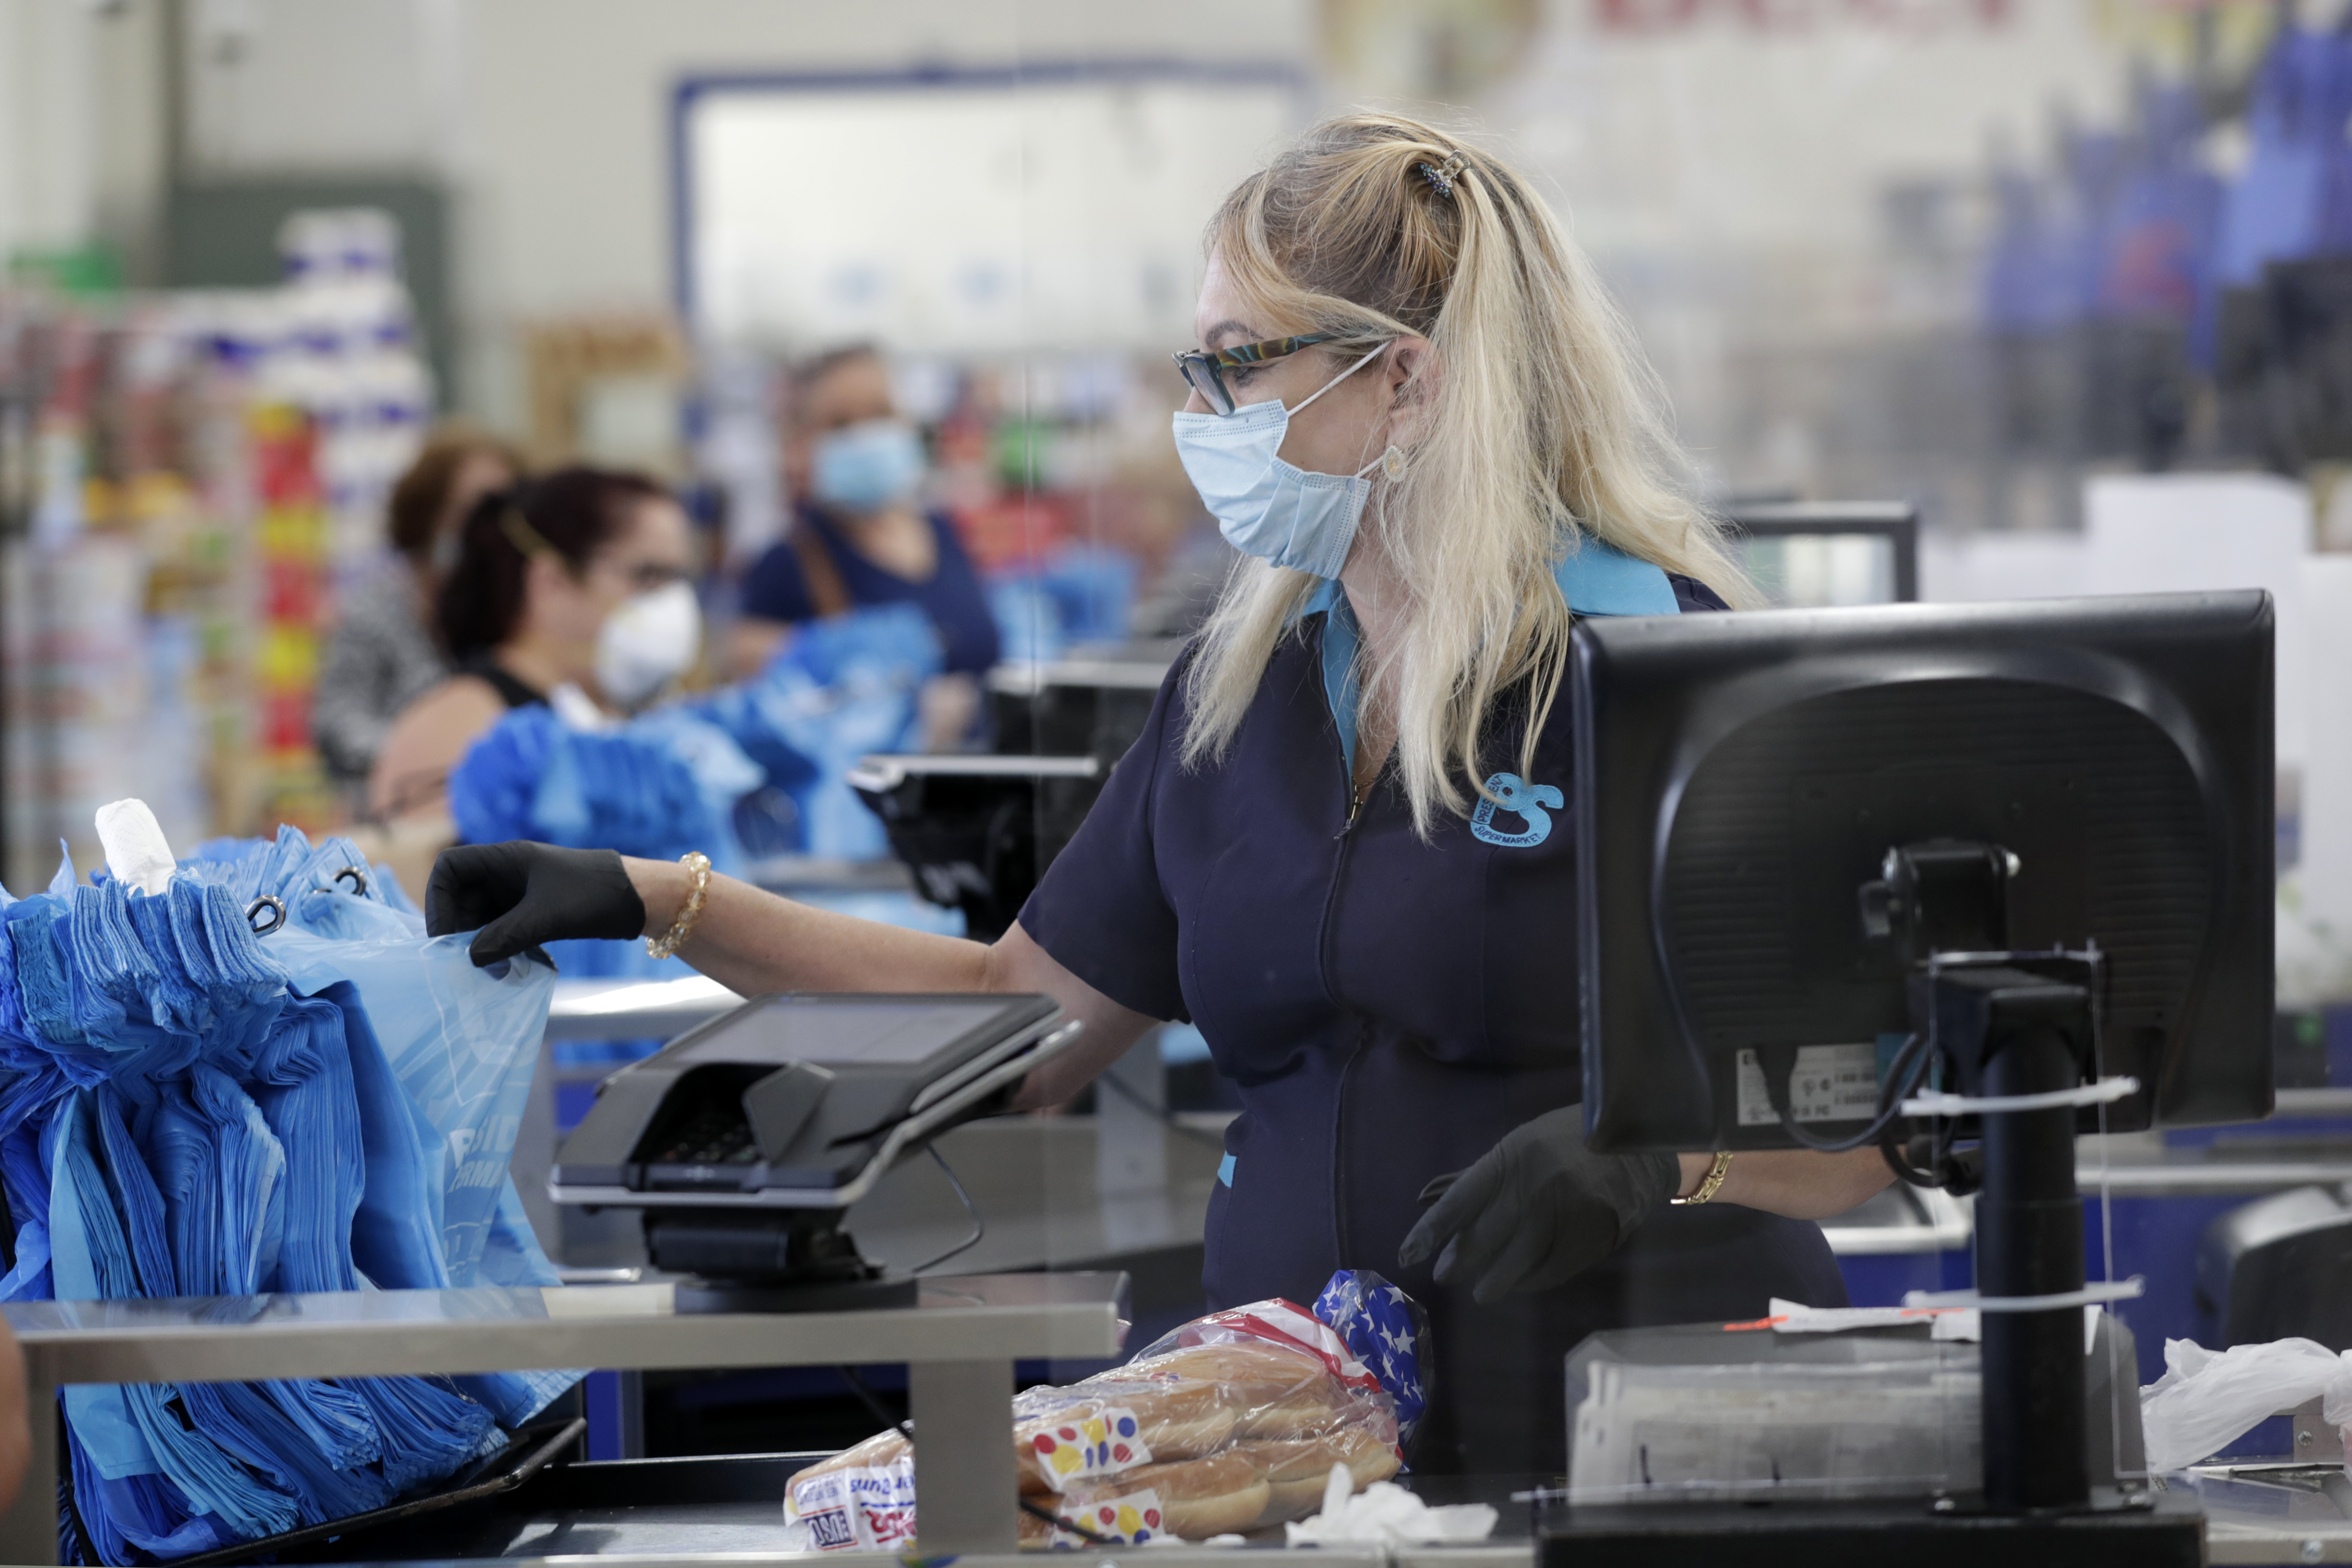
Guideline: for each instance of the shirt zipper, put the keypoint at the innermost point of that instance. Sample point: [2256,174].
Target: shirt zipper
[1355,798]
[1339,1214]
[1355,794]
[1331,906]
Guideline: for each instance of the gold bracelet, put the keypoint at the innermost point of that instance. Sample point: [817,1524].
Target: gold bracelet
[1712,1186]
[698,865]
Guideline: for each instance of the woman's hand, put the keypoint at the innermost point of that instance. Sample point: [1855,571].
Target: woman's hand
[1537,1209]
[517,896]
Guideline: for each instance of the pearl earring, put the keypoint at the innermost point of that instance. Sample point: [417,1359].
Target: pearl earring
[1392,463]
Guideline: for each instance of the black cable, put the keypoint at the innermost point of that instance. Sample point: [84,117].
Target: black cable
[1897,1151]
[1168,1118]
[978,1225]
[1899,1161]
[1778,1064]
[874,1405]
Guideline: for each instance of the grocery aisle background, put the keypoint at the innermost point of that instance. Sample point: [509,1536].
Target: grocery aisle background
[1973,254]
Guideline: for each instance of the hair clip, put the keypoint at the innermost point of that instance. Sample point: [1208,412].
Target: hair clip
[528,540]
[1441,175]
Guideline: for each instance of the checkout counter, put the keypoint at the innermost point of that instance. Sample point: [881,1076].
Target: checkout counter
[1126,1191]
[1053,1284]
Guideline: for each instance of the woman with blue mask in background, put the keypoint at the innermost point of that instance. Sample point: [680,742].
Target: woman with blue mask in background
[861,538]
[1341,846]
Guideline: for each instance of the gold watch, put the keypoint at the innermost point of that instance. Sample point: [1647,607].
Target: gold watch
[1711,1185]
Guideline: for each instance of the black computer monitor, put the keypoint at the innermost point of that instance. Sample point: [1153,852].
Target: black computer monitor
[1758,527]
[1831,858]
[1741,778]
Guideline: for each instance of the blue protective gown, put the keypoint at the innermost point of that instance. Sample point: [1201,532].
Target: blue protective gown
[1388,1009]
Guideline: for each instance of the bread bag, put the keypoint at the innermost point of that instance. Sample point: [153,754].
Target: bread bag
[1233,1423]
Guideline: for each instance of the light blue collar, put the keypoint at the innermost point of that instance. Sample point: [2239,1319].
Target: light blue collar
[1596,579]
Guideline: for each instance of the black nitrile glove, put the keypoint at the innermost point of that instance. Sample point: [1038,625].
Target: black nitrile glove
[1537,1210]
[519,895]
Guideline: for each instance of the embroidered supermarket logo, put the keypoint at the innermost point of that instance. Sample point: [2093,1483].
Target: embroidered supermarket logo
[1510,793]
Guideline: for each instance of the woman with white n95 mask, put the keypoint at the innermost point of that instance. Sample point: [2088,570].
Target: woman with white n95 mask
[1341,847]
[575,589]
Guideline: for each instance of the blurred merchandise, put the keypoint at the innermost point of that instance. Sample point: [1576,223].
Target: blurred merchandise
[183,479]
[2147,301]
[607,390]
[291,548]
[125,569]
[350,360]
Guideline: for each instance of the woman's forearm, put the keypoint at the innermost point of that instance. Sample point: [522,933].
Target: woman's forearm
[1794,1182]
[752,943]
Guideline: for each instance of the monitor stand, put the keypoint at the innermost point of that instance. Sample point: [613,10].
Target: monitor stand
[2007,1024]
[2010,1023]
[2011,1029]
[769,1260]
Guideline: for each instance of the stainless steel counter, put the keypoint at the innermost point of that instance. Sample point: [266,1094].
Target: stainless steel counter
[1902,1219]
[2144,1164]
[730,1554]
[634,1009]
[959,1344]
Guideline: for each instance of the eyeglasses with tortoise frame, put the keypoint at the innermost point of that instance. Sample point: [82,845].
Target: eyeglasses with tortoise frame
[1204,372]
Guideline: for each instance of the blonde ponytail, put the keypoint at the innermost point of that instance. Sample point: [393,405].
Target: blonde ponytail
[1543,430]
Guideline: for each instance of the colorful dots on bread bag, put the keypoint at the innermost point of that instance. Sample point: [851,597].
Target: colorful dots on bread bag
[1127,1521]
[1134,1519]
[1103,1444]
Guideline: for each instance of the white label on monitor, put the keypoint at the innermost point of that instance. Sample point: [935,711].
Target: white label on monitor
[1829,1083]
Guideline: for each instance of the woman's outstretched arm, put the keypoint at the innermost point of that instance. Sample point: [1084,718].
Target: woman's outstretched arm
[752,942]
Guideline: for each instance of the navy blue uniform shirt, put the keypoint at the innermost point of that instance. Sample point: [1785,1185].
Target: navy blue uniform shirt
[954,597]
[1388,1009]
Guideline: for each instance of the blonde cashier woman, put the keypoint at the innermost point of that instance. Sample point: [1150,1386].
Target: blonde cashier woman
[1340,846]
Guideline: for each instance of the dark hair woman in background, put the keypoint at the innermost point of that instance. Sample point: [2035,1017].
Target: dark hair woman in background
[383,656]
[582,579]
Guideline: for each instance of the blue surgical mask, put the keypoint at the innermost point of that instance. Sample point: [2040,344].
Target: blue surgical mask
[867,466]
[1263,506]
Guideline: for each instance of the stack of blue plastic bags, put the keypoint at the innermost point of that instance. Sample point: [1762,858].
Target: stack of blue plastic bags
[669,780]
[840,688]
[188,1108]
